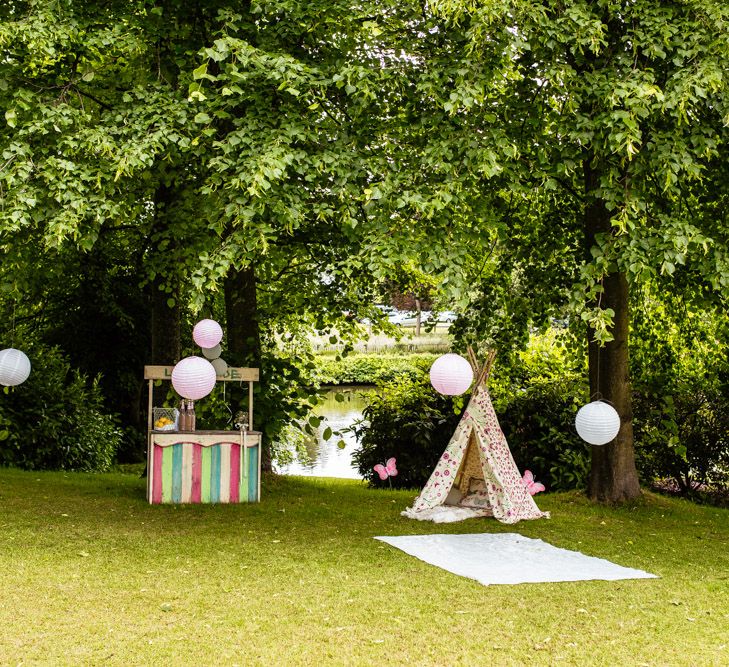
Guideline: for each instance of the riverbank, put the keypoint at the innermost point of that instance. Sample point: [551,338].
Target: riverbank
[407,343]
[371,369]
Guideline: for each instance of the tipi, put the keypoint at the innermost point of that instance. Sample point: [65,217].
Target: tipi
[476,474]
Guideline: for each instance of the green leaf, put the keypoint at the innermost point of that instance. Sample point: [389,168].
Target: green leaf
[10,117]
[200,72]
[202,117]
[327,433]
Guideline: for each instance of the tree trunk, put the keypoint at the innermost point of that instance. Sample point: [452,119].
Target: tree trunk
[241,314]
[418,316]
[165,343]
[613,475]
[244,339]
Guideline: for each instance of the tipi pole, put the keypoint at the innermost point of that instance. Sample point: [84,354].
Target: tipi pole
[481,373]
[473,361]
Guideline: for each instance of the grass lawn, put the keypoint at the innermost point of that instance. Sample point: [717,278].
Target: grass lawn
[91,574]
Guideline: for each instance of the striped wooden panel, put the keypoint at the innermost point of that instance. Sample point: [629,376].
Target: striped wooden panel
[196,491]
[167,474]
[207,456]
[177,473]
[245,455]
[253,474]
[224,475]
[215,474]
[186,495]
[157,453]
[188,472]
[235,473]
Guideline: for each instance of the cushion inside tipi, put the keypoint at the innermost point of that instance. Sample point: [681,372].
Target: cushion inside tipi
[476,474]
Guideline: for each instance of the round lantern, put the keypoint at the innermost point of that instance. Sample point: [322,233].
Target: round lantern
[211,352]
[193,377]
[207,333]
[597,422]
[451,374]
[221,368]
[14,367]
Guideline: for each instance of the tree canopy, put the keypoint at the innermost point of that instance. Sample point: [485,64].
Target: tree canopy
[276,161]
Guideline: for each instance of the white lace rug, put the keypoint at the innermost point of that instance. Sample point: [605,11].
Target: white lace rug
[509,558]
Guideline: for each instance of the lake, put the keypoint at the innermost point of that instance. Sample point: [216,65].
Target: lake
[326,459]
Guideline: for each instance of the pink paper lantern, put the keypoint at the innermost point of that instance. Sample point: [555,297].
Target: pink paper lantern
[193,377]
[207,333]
[451,374]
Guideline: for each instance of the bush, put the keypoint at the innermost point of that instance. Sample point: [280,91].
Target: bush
[372,368]
[55,419]
[680,365]
[538,423]
[409,421]
[684,435]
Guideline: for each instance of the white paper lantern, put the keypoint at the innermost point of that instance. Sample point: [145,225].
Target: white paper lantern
[193,378]
[14,367]
[211,352]
[451,374]
[597,422]
[220,366]
[207,333]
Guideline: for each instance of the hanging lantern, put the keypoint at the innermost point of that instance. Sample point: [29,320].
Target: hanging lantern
[14,367]
[193,378]
[211,352]
[451,374]
[220,366]
[207,333]
[597,422]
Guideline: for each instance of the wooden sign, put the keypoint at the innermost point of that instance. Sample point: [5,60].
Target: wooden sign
[231,375]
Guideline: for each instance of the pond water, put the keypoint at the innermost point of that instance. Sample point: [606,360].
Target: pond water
[325,459]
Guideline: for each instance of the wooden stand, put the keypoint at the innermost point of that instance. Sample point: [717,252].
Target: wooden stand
[203,466]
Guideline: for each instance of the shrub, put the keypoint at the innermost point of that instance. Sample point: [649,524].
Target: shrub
[680,366]
[372,368]
[538,423]
[684,434]
[409,421]
[55,419]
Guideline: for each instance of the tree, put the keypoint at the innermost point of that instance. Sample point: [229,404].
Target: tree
[218,134]
[291,156]
[615,114]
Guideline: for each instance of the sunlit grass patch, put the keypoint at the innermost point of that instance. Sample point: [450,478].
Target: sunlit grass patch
[92,574]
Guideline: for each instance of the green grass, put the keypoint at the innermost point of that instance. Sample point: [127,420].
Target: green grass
[91,574]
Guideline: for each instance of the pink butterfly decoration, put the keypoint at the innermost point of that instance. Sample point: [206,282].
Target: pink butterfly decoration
[531,485]
[388,470]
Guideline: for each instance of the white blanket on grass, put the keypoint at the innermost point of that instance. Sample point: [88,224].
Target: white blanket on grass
[508,558]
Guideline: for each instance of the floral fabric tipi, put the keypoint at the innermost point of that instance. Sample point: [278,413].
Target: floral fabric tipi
[477,446]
